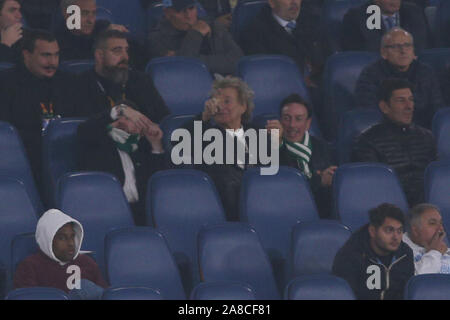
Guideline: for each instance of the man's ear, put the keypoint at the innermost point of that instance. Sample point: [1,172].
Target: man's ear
[384,107]
[372,231]
[26,55]
[98,54]
[308,123]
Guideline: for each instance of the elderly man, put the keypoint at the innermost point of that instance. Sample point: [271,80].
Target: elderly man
[397,141]
[10,30]
[181,33]
[394,13]
[399,61]
[426,237]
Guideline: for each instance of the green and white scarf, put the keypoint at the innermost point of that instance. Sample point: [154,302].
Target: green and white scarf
[124,141]
[301,152]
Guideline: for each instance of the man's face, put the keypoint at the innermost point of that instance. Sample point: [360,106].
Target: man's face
[295,121]
[430,222]
[389,7]
[182,20]
[10,14]
[388,237]
[398,50]
[113,60]
[88,14]
[230,109]
[286,9]
[44,60]
[400,108]
[64,243]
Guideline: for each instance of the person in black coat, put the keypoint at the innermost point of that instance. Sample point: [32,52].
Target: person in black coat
[397,141]
[303,151]
[11,31]
[357,37]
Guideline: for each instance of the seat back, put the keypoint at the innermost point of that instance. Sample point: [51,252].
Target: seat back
[132,293]
[222,291]
[441,132]
[243,15]
[76,67]
[428,287]
[169,124]
[319,287]
[37,293]
[437,188]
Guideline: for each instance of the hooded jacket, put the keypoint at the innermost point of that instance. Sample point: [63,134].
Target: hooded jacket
[44,269]
[358,264]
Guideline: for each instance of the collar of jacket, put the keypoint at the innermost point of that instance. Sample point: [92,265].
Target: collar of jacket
[394,73]
[396,127]
[26,76]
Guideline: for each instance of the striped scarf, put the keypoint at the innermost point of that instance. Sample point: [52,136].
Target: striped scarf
[124,141]
[301,152]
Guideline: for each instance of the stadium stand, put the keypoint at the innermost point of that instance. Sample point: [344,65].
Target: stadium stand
[319,287]
[222,291]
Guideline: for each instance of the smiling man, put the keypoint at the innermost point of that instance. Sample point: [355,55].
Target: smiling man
[397,141]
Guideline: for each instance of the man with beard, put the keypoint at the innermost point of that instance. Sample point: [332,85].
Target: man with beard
[122,136]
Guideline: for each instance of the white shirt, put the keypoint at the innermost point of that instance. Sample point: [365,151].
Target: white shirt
[283,22]
[240,135]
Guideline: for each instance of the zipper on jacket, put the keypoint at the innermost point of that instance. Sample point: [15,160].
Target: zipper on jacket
[387,270]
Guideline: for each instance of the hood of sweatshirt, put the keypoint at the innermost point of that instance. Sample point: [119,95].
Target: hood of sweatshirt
[47,226]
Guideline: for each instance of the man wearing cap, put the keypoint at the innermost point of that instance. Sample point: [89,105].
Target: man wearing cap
[181,33]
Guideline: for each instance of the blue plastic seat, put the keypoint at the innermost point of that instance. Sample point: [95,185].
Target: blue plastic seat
[359,187]
[183,83]
[232,252]
[428,287]
[222,291]
[319,287]
[437,188]
[180,202]
[243,15]
[442,23]
[77,67]
[140,256]
[37,293]
[437,58]
[131,293]
[169,124]
[441,132]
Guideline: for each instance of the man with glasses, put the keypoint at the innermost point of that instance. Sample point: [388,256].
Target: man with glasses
[398,60]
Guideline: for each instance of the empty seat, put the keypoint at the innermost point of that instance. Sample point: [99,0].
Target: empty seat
[169,124]
[232,252]
[428,287]
[243,15]
[359,187]
[353,123]
[37,293]
[315,244]
[180,202]
[272,78]
[222,291]
[97,201]
[319,287]
[131,293]
[14,163]
[77,67]
[139,256]
[437,188]
[184,83]
[441,132]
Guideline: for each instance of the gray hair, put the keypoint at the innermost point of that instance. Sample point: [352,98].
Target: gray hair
[67,3]
[417,211]
[391,32]
[245,95]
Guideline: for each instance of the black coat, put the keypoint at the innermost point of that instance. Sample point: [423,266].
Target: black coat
[357,37]
[408,150]
[353,260]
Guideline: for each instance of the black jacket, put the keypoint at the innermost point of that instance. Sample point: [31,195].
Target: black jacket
[427,93]
[408,150]
[357,37]
[353,260]
[10,54]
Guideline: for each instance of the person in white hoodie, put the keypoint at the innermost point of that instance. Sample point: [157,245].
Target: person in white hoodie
[427,238]
[59,262]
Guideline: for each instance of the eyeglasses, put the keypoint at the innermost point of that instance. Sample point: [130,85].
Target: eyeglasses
[398,47]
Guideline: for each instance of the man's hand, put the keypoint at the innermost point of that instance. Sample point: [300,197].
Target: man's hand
[275,124]
[126,125]
[202,27]
[12,34]
[438,242]
[327,175]
[170,53]
[211,108]
[225,20]
[141,121]
[118,27]
[154,135]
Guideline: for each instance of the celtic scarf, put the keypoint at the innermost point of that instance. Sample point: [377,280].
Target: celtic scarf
[301,152]
[124,141]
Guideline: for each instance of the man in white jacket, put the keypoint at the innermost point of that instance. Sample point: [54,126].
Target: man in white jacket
[426,237]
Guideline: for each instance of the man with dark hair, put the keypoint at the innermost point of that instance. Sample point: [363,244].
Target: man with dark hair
[374,261]
[303,151]
[122,136]
[10,30]
[399,61]
[397,141]
[34,93]
[181,33]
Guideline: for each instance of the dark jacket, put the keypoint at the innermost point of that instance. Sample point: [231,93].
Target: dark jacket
[320,160]
[427,93]
[408,150]
[218,51]
[353,260]
[10,54]
[357,37]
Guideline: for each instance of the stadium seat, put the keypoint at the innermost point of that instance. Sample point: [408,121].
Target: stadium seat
[97,201]
[76,67]
[272,205]
[340,76]
[314,246]
[222,291]
[169,124]
[359,187]
[232,252]
[184,83]
[441,132]
[319,287]
[132,293]
[14,163]
[59,149]
[180,202]
[443,24]
[37,293]
[23,245]
[6,66]
[437,58]
[437,188]
[428,287]
[243,15]
[353,123]
[272,78]
[149,263]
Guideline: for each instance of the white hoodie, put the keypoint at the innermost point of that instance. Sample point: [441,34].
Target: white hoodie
[47,226]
